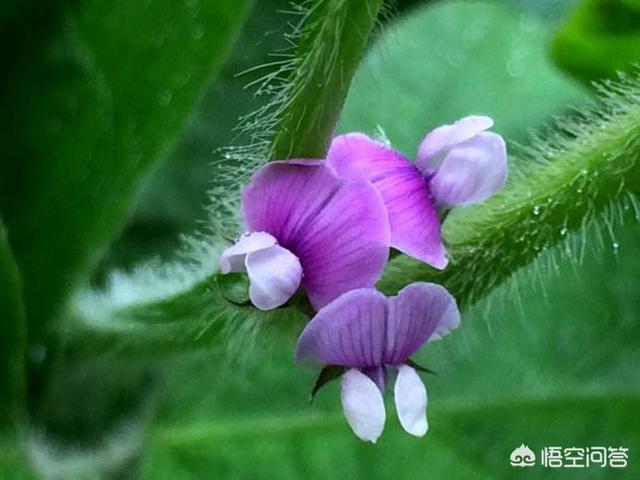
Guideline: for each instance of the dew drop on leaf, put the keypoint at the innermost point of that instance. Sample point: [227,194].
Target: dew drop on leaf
[164,98]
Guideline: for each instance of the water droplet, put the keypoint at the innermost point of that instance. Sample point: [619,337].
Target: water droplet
[456,58]
[615,245]
[182,79]
[164,98]
[528,23]
[37,353]
[563,231]
[536,210]
[197,32]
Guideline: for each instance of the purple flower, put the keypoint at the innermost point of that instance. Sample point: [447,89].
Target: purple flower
[308,227]
[369,334]
[457,164]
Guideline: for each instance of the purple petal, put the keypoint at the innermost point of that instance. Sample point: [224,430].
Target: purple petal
[421,312]
[274,276]
[410,396]
[472,171]
[415,226]
[363,329]
[378,375]
[233,258]
[363,405]
[350,331]
[338,228]
[438,142]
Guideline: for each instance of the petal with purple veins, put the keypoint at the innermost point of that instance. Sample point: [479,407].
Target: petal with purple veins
[350,331]
[274,276]
[421,312]
[439,141]
[364,329]
[472,171]
[415,226]
[410,396]
[338,228]
[363,405]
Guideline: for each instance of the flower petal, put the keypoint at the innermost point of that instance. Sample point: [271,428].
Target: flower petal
[338,228]
[363,405]
[415,226]
[472,171]
[349,331]
[232,259]
[363,329]
[410,396]
[274,276]
[421,312]
[438,142]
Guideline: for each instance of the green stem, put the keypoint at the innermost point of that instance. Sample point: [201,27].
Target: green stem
[332,39]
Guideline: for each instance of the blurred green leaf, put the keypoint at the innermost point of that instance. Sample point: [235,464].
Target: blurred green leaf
[599,39]
[544,366]
[454,59]
[90,112]
[12,340]
[13,463]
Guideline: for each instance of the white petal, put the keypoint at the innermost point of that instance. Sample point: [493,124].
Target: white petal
[232,259]
[438,142]
[363,405]
[274,276]
[411,401]
[472,171]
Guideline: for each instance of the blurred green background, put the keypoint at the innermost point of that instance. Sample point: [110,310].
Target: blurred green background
[551,358]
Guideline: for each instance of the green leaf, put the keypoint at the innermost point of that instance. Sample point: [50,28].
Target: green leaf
[13,462]
[327,374]
[12,340]
[94,107]
[599,39]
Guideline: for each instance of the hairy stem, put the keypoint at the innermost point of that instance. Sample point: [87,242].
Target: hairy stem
[332,39]
[586,165]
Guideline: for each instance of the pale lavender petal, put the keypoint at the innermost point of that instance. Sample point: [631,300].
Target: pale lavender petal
[363,405]
[410,396]
[274,276]
[350,331]
[472,171]
[415,226]
[233,258]
[338,228]
[438,142]
[421,312]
